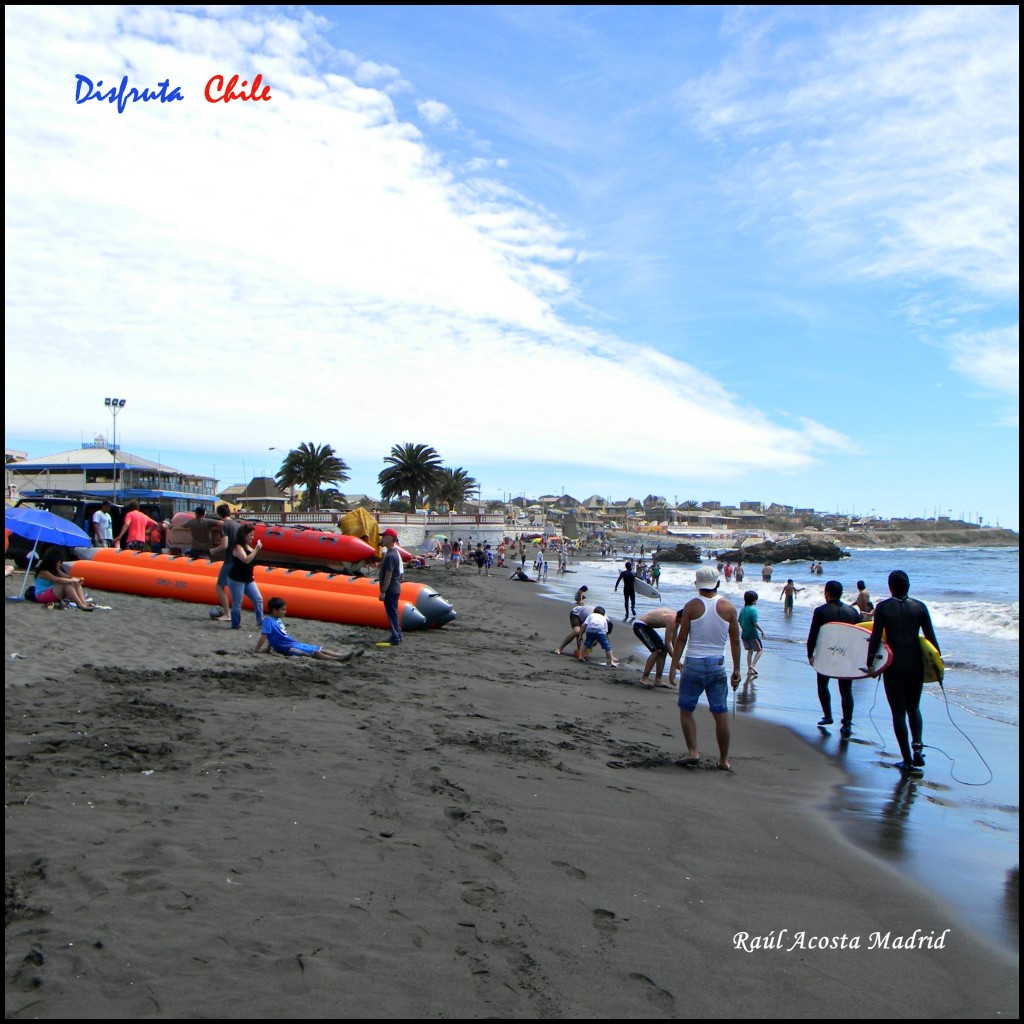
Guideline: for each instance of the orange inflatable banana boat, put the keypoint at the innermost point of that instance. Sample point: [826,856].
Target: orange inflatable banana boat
[434,608]
[198,588]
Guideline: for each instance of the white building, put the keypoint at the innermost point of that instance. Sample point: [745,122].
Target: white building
[101,469]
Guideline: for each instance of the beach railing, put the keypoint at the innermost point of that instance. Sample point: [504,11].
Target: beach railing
[331,518]
[445,518]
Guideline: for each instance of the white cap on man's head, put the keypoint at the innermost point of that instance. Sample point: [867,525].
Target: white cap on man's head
[707,578]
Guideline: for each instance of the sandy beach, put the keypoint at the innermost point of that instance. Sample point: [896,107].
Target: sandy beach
[465,826]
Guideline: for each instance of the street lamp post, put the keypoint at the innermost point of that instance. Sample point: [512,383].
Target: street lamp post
[115,405]
[291,490]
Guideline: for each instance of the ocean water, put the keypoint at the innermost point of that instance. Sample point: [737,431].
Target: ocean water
[956,830]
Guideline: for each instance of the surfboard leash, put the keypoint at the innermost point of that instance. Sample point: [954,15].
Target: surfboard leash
[871,718]
[952,760]
[881,739]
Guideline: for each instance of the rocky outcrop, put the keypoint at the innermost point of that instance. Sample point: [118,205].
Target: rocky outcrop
[680,553]
[799,549]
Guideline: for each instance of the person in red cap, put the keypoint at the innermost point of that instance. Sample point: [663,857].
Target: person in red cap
[391,584]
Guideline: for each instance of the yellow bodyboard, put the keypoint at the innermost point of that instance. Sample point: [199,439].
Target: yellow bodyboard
[934,670]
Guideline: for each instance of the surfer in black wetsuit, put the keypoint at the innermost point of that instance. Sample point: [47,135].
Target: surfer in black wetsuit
[903,619]
[627,578]
[833,611]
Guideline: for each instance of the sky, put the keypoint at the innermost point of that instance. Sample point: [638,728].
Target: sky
[711,253]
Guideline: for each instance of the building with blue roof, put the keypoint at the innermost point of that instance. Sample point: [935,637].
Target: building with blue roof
[101,469]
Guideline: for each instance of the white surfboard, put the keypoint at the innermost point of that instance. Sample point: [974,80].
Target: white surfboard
[644,588]
[842,651]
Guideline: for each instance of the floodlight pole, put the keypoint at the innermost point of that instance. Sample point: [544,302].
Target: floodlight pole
[115,405]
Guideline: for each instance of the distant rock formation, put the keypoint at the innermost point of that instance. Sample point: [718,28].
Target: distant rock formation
[799,549]
[680,553]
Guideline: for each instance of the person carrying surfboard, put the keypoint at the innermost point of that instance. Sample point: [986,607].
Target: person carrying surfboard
[628,580]
[902,619]
[833,610]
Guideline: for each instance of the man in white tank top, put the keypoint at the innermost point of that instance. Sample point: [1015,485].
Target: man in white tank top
[705,623]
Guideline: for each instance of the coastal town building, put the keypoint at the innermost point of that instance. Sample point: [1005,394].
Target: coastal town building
[101,469]
[11,456]
[261,494]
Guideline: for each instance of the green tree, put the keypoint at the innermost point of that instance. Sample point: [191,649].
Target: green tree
[452,488]
[331,498]
[410,469]
[311,466]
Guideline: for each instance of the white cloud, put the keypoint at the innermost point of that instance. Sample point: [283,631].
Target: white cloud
[892,142]
[992,359]
[369,72]
[436,113]
[250,273]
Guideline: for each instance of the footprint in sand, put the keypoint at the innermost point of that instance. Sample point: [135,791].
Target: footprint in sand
[479,895]
[492,855]
[654,992]
[571,871]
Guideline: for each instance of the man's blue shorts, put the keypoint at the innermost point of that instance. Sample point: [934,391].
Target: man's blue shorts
[222,574]
[704,675]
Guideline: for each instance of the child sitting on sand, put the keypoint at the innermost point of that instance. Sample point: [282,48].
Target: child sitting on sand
[596,629]
[274,633]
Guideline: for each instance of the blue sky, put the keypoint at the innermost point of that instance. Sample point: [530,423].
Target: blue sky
[706,252]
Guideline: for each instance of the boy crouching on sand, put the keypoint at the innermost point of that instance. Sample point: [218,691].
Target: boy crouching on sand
[596,630]
[277,638]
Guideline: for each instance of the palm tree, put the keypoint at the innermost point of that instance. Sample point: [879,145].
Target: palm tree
[411,469]
[311,466]
[452,488]
[331,497]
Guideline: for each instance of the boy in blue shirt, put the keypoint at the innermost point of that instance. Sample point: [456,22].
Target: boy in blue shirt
[275,635]
[749,629]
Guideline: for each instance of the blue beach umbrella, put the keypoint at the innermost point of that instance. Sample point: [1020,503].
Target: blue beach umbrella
[42,527]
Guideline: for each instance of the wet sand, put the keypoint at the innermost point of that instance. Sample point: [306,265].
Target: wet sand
[464,826]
